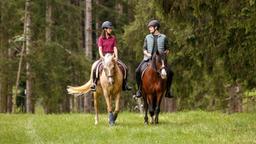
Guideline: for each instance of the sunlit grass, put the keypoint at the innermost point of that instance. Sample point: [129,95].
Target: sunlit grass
[182,127]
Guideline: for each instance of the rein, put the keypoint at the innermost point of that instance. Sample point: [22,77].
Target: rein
[154,64]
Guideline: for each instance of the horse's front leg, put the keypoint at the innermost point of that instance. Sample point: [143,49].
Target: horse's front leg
[150,107]
[109,108]
[146,111]
[117,106]
[158,104]
[157,111]
[96,108]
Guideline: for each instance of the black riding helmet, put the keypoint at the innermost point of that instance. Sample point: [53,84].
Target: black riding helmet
[106,24]
[154,23]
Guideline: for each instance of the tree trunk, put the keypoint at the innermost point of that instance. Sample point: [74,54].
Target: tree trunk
[97,22]
[5,83]
[88,29]
[48,38]
[168,105]
[3,96]
[88,47]
[29,99]
[235,98]
[75,2]
[119,8]
[3,99]
[72,101]
[17,81]
[48,31]
[14,97]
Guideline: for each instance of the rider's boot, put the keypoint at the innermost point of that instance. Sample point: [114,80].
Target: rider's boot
[169,84]
[93,87]
[94,84]
[138,80]
[126,86]
[168,94]
[138,93]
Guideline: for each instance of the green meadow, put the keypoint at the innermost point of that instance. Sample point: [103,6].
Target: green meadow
[180,127]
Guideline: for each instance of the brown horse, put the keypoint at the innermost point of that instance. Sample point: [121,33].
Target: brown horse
[154,86]
[109,85]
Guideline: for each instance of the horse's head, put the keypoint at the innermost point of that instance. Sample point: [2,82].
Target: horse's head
[109,67]
[159,64]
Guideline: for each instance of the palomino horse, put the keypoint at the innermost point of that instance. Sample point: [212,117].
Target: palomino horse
[154,86]
[109,84]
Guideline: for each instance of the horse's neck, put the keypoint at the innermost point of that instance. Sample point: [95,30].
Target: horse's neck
[152,70]
[153,64]
[117,70]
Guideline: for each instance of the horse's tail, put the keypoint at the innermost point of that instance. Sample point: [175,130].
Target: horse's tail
[80,89]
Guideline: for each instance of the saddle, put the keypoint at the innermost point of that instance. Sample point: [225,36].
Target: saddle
[99,69]
[144,67]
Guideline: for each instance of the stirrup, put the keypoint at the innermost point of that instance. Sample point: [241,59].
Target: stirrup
[93,87]
[138,94]
[127,87]
[169,94]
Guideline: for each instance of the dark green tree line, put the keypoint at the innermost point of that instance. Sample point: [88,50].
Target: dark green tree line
[212,44]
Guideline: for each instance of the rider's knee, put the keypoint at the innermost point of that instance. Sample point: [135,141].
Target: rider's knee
[137,70]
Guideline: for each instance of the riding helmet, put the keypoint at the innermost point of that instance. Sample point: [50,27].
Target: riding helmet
[106,24]
[154,23]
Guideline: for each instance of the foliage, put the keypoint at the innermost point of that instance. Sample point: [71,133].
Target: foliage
[212,46]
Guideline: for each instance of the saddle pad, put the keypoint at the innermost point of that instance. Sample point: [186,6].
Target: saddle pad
[100,68]
[143,70]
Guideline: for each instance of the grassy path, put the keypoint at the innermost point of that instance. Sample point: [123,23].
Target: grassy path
[182,127]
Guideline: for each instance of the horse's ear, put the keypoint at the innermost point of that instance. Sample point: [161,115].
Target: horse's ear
[112,57]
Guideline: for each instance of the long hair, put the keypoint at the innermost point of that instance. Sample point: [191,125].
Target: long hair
[104,33]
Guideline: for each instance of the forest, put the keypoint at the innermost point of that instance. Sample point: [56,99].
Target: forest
[46,45]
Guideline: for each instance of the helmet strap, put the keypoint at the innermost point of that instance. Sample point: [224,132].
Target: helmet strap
[154,30]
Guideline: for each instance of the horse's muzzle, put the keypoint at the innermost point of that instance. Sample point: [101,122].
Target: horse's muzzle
[110,80]
[163,73]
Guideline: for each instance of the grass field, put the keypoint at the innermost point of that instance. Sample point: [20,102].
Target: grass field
[181,127]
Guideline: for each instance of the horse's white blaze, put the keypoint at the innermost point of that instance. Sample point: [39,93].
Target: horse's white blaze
[110,80]
[163,74]
[163,71]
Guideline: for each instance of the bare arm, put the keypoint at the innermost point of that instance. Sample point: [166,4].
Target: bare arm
[100,52]
[166,46]
[116,53]
[145,49]
[145,52]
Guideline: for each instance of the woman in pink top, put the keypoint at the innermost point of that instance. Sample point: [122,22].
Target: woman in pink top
[107,44]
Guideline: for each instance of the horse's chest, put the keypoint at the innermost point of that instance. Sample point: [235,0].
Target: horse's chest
[111,88]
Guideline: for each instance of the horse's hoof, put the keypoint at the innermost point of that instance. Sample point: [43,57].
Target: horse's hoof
[111,119]
[145,123]
[115,116]
[111,123]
